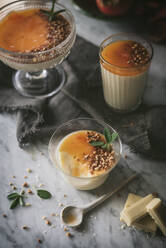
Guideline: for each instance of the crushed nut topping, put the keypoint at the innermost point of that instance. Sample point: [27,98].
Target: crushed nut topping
[99,159]
[139,54]
[4,215]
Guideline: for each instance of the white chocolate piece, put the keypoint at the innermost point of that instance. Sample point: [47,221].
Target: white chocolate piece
[136,211]
[158,212]
[146,224]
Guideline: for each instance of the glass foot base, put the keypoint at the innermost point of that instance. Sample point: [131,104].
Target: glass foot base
[41,84]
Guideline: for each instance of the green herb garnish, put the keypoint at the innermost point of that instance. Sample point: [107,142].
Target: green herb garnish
[17,199]
[109,139]
[51,14]
[44,194]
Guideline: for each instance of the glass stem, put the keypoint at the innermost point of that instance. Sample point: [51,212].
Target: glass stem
[36,75]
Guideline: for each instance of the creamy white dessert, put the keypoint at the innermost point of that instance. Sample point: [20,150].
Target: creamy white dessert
[123,92]
[124,69]
[82,164]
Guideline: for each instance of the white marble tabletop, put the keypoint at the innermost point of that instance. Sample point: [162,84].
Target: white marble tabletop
[102,227]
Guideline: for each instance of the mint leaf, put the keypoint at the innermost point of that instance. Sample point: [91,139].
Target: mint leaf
[104,146]
[97,143]
[15,203]
[114,136]
[21,201]
[12,196]
[44,194]
[56,13]
[107,135]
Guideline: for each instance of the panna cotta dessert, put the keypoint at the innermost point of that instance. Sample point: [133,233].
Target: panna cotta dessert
[35,37]
[85,164]
[124,60]
[31,32]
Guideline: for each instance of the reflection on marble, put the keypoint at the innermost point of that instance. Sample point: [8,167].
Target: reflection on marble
[101,227]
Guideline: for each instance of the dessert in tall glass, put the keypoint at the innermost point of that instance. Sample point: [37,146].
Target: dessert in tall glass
[35,37]
[125,60]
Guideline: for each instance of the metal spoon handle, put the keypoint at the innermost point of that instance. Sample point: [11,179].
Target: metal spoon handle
[106,196]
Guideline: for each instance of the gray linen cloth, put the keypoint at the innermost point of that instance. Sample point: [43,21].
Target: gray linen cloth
[82,96]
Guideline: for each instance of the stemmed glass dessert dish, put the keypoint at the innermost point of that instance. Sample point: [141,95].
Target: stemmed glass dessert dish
[35,46]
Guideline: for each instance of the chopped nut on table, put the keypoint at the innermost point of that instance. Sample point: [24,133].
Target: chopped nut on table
[30,191]
[25,185]
[25,227]
[28,170]
[48,222]
[68,234]
[39,241]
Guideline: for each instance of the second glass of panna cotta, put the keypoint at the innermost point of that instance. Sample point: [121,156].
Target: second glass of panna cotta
[82,165]
[125,60]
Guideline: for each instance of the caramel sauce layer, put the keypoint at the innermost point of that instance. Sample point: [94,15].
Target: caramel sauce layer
[23,31]
[77,146]
[126,58]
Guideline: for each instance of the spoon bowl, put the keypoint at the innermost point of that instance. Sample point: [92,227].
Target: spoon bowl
[71,216]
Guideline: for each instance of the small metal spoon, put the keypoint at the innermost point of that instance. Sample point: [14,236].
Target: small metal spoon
[73,216]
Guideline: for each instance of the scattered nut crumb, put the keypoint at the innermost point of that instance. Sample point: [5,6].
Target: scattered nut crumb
[28,170]
[25,227]
[48,222]
[123,226]
[4,215]
[65,229]
[25,185]
[39,241]
[29,191]
[25,177]
[11,184]
[68,234]
[14,187]
[61,204]
[27,204]
[125,156]
[44,218]
[65,195]
[52,214]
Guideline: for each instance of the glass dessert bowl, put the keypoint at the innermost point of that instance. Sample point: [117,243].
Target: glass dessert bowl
[72,151]
[125,59]
[35,46]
